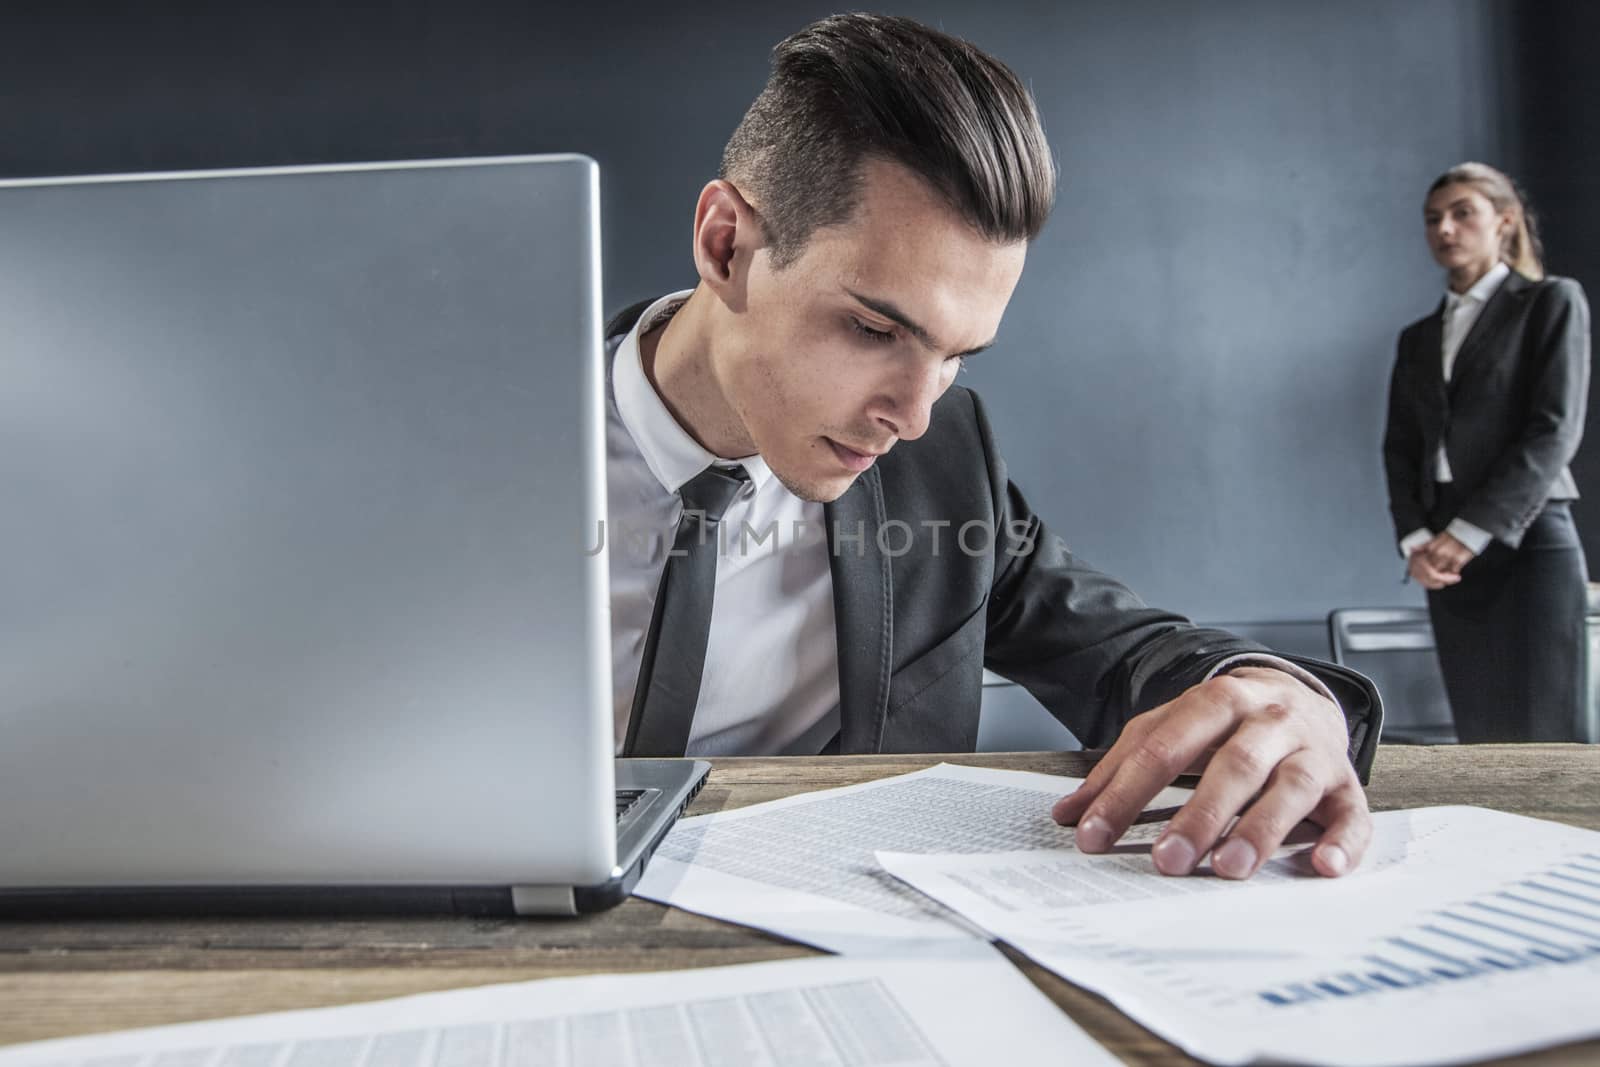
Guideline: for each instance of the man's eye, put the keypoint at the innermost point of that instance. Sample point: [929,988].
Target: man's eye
[881,336]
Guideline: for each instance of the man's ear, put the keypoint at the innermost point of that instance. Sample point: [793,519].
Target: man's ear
[727,233]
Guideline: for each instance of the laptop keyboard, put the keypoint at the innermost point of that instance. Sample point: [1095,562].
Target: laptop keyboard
[626,799]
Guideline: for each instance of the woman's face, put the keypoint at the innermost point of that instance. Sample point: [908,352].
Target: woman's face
[1465,232]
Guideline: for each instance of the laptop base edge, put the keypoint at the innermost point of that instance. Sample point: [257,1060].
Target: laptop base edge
[669,786]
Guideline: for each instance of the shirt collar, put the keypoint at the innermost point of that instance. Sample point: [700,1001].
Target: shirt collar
[1482,289]
[672,455]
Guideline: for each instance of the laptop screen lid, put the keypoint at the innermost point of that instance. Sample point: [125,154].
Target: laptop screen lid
[302,469]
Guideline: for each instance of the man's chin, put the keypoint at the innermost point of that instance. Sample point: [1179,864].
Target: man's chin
[817,490]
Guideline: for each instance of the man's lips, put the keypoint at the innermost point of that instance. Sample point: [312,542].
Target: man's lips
[853,459]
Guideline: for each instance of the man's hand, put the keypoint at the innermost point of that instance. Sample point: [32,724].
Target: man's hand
[1421,567]
[1268,749]
[1447,554]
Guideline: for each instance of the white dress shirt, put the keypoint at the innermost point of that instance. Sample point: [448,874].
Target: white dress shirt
[771,679]
[1461,310]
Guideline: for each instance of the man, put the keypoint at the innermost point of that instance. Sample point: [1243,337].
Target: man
[797,410]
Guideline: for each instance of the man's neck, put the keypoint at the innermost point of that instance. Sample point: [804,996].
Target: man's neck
[679,362]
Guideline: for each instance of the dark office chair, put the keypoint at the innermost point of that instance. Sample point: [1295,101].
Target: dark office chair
[1394,647]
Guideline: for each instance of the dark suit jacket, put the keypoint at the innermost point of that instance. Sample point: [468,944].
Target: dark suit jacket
[1510,418]
[921,608]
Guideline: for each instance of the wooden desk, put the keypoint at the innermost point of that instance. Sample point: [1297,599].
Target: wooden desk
[58,979]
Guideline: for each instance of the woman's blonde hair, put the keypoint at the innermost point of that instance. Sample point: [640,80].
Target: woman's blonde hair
[1522,251]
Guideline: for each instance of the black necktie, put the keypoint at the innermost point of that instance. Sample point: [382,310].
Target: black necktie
[675,649]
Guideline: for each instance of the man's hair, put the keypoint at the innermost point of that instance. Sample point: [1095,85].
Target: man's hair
[856,87]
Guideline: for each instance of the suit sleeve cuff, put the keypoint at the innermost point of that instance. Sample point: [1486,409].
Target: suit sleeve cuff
[1474,537]
[1299,674]
[1415,540]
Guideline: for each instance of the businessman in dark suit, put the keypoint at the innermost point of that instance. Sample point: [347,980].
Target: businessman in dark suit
[1486,410]
[871,221]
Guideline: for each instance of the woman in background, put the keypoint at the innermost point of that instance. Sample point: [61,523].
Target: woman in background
[1486,409]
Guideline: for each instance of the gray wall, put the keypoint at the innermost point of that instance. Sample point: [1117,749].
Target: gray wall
[1203,338]
[1191,376]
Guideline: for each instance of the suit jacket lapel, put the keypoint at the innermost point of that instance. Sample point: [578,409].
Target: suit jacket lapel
[1430,348]
[1494,315]
[1430,373]
[863,612]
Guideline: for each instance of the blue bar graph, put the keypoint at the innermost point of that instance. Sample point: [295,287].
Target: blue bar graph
[1551,919]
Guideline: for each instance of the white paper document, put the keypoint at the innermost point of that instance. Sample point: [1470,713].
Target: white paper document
[803,866]
[1484,941]
[971,1007]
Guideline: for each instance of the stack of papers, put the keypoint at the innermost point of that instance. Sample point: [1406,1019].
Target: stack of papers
[1464,934]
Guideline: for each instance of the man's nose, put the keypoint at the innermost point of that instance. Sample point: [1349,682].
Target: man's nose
[906,406]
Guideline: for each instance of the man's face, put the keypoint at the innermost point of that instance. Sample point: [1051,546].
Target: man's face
[835,358]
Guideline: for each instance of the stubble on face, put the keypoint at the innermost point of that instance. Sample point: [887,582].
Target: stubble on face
[788,382]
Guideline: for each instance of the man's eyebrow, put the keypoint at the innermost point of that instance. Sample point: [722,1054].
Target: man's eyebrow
[889,311]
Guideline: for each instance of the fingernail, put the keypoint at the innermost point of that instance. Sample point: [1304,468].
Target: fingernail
[1094,835]
[1235,859]
[1335,860]
[1173,854]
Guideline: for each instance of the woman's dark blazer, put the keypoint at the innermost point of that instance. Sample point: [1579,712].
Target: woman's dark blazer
[1510,417]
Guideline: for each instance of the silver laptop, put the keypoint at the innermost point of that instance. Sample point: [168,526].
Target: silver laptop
[301,472]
